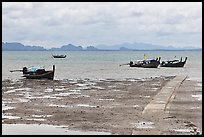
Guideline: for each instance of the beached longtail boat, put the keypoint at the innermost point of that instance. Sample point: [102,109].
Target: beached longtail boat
[153,63]
[37,72]
[174,63]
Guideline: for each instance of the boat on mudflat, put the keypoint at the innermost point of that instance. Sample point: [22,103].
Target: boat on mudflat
[37,72]
[151,63]
[174,63]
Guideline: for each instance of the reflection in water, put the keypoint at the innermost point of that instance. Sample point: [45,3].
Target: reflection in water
[34,129]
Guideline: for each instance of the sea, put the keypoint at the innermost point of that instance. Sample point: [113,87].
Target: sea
[98,65]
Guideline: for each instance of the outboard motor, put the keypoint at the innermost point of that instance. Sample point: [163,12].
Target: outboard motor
[131,63]
[25,70]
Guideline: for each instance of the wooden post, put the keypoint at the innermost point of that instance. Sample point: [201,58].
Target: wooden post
[54,68]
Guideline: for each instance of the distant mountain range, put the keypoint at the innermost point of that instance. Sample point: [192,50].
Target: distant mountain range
[15,46]
[20,47]
[141,46]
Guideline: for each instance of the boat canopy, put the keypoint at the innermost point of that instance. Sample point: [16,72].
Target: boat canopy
[34,68]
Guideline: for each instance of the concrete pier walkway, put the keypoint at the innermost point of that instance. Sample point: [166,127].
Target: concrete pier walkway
[171,110]
[161,100]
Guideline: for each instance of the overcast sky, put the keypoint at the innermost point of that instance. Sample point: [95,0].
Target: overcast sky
[53,24]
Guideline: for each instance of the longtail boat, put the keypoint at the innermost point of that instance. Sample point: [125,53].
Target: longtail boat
[37,72]
[59,56]
[151,63]
[174,63]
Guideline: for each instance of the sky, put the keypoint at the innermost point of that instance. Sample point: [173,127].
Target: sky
[53,24]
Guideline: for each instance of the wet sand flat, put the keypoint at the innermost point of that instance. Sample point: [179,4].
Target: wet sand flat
[108,105]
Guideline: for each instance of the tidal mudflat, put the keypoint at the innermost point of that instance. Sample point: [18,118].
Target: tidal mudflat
[104,106]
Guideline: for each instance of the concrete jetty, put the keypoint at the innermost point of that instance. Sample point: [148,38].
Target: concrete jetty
[171,110]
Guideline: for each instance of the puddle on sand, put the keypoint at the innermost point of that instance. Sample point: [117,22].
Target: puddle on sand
[6,107]
[81,85]
[41,116]
[85,105]
[67,94]
[199,87]
[9,117]
[143,125]
[14,90]
[34,129]
[49,90]
[108,99]
[199,97]
[35,119]
[182,130]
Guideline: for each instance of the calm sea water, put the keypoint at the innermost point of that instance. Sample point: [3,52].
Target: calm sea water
[100,64]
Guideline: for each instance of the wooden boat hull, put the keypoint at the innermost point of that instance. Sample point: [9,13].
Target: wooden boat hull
[44,75]
[150,65]
[146,64]
[174,63]
[179,64]
[59,56]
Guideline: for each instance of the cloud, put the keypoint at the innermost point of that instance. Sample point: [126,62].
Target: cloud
[92,23]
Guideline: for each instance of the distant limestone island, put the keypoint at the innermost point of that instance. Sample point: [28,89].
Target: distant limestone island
[15,46]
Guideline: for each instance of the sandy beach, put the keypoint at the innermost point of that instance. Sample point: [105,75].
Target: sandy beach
[106,105]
